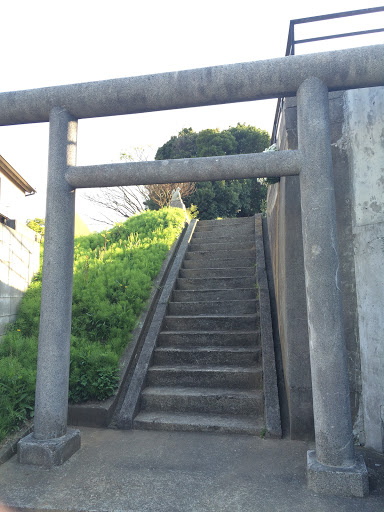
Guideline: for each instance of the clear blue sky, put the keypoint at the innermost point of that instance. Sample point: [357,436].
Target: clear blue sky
[46,42]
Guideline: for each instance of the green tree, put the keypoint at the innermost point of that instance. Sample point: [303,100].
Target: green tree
[182,146]
[215,143]
[225,198]
[37,225]
[249,139]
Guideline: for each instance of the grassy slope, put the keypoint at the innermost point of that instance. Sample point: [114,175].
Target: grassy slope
[113,273]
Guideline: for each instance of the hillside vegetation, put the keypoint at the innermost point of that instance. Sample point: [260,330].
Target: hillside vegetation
[113,274]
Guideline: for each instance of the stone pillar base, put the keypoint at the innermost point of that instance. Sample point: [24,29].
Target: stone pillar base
[48,453]
[337,481]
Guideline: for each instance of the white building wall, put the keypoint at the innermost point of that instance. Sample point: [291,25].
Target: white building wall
[364,135]
[12,199]
[19,261]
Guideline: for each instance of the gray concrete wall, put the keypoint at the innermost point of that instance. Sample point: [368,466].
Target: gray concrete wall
[364,143]
[284,220]
[19,260]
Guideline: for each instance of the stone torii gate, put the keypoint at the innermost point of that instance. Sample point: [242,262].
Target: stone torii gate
[333,467]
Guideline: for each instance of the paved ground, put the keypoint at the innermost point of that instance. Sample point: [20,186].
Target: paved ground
[139,471]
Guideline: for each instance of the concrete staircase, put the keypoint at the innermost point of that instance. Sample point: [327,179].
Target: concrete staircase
[206,372]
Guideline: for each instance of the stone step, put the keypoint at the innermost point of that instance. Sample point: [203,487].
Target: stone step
[225,424]
[206,376]
[231,253]
[243,232]
[223,246]
[231,307]
[233,237]
[225,223]
[218,263]
[200,273]
[215,283]
[203,400]
[225,356]
[213,295]
[209,339]
[211,323]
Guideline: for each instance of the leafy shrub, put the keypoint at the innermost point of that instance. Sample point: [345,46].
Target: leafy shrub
[18,357]
[113,274]
[93,371]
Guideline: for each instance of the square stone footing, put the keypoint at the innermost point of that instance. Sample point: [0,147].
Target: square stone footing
[337,481]
[48,453]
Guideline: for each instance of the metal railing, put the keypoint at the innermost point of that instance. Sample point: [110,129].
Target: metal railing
[291,42]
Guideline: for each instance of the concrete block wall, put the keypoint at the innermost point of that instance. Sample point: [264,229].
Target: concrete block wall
[358,156]
[19,261]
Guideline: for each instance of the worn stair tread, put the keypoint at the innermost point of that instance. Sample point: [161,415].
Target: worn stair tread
[207,355]
[215,301]
[231,423]
[204,273]
[225,222]
[205,368]
[224,332]
[203,399]
[211,322]
[202,391]
[214,295]
[205,348]
[206,236]
[226,291]
[198,263]
[211,243]
[213,307]
[209,338]
[206,375]
[213,315]
[220,254]
[213,247]
[220,265]
[213,283]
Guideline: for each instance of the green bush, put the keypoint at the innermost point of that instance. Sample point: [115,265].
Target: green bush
[18,356]
[113,274]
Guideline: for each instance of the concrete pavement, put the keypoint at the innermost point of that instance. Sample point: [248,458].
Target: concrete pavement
[142,471]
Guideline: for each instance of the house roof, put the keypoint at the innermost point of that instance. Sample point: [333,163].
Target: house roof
[14,177]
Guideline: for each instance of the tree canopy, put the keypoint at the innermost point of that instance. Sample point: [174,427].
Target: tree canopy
[37,225]
[225,198]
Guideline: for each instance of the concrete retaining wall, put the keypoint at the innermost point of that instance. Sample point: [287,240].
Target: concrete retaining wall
[358,155]
[364,141]
[19,260]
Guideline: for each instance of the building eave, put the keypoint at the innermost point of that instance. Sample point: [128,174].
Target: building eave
[15,177]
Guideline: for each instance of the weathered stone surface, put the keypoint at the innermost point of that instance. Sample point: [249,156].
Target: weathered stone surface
[352,68]
[51,406]
[272,163]
[284,223]
[48,453]
[330,387]
[337,481]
